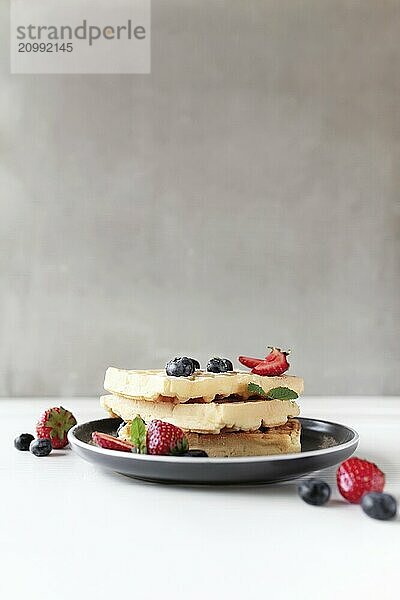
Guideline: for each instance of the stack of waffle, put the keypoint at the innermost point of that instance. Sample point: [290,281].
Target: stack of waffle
[219,412]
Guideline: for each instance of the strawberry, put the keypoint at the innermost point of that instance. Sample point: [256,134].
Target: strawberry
[54,425]
[355,477]
[111,443]
[247,361]
[274,364]
[164,438]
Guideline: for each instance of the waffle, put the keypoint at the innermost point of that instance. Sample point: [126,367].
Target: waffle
[205,418]
[276,440]
[203,387]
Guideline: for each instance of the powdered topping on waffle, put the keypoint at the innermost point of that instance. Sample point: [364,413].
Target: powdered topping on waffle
[202,386]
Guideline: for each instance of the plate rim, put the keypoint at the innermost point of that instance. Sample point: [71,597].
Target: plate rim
[216,460]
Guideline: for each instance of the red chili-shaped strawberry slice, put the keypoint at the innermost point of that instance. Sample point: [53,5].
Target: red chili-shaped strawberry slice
[247,361]
[111,443]
[273,365]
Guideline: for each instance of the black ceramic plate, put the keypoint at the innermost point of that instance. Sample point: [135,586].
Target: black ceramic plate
[323,444]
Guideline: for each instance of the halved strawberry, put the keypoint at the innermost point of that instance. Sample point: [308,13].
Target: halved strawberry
[111,443]
[274,364]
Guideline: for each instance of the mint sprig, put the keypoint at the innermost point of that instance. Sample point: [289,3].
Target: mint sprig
[278,393]
[255,389]
[138,434]
[282,393]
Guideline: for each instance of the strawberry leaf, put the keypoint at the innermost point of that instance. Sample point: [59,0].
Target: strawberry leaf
[59,421]
[255,389]
[138,434]
[282,393]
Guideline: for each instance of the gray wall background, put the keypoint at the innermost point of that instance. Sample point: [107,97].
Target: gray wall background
[245,193]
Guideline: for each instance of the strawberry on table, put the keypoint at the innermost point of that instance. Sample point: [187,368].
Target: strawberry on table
[356,477]
[54,425]
[164,438]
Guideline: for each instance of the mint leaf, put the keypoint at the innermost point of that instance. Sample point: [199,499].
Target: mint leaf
[138,434]
[255,389]
[278,393]
[282,393]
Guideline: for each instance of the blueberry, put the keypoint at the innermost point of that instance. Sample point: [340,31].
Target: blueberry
[196,363]
[22,441]
[41,447]
[379,506]
[181,366]
[219,365]
[314,491]
[196,453]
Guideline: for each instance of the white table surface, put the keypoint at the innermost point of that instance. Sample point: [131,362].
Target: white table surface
[68,529]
